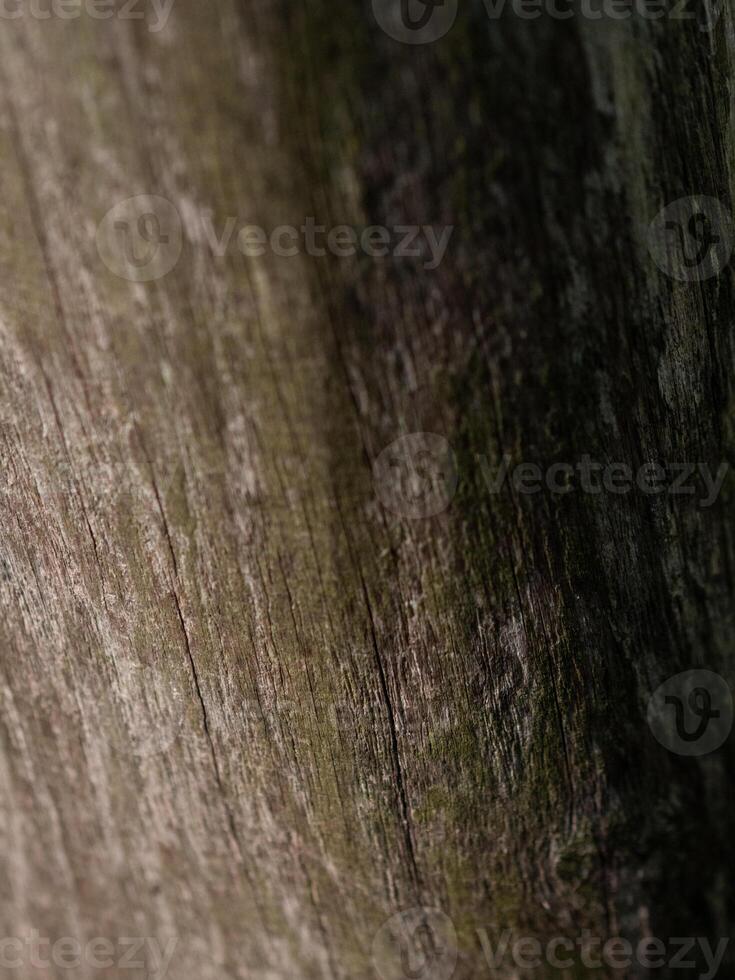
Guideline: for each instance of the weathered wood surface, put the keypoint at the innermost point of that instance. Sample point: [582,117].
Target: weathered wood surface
[244,704]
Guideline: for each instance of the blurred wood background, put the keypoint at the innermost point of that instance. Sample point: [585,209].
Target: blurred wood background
[245,704]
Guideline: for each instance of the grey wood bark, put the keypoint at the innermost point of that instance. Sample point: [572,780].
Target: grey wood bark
[244,703]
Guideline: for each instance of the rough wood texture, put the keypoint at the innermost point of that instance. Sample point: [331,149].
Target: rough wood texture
[244,704]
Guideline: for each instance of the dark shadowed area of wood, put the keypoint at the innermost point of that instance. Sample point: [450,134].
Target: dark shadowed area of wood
[247,706]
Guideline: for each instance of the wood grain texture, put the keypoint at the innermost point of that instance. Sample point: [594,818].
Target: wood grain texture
[243,703]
